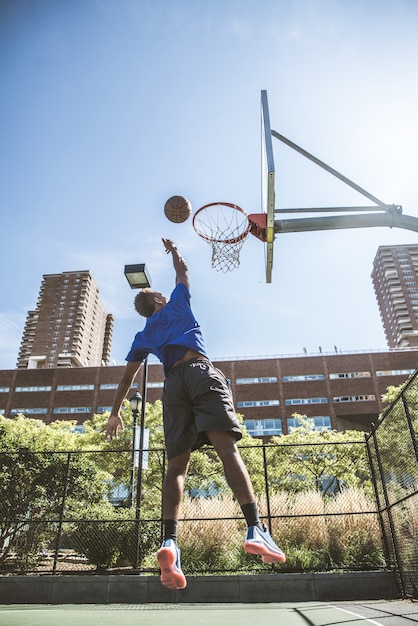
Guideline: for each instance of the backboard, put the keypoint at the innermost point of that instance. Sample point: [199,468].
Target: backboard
[267,182]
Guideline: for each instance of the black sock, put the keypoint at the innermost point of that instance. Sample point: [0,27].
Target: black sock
[170,529]
[250,512]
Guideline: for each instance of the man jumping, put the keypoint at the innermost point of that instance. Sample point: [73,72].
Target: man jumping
[198,409]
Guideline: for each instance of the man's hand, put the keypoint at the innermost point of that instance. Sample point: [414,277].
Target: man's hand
[180,267]
[168,245]
[114,423]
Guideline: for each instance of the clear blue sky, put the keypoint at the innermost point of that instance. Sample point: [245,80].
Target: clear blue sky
[109,107]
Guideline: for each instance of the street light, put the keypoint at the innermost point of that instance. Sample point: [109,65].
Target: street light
[137,276]
[136,405]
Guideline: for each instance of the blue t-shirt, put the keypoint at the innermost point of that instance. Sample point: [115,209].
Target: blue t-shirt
[170,332]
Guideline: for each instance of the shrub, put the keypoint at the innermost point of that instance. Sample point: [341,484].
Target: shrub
[317,533]
[104,535]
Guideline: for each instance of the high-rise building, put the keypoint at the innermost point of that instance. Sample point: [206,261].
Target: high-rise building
[395,281]
[69,327]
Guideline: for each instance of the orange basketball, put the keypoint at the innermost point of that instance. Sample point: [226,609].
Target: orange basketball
[177,209]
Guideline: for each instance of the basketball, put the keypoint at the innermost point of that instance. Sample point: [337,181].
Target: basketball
[177,209]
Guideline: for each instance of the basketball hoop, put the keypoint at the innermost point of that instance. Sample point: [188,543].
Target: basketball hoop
[225,227]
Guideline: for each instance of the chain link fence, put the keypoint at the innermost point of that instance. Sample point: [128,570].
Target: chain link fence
[330,506]
[68,512]
[393,453]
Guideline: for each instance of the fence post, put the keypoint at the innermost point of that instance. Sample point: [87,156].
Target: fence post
[61,513]
[410,425]
[266,486]
[377,498]
[389,515]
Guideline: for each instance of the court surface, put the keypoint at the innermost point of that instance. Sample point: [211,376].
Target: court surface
[379,613]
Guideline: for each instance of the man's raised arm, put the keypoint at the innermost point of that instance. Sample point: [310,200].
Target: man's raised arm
[180,267]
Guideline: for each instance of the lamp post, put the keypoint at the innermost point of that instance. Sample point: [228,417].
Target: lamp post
[138,278]
[138,406]
[136,403]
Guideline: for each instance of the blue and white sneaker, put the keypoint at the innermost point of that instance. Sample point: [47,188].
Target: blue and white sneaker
[168,557]
[259,541]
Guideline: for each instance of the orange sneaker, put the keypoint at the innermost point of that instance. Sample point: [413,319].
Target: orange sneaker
[168,557]
[258,541]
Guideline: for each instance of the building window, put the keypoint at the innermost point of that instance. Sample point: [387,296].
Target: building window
[32,411]
[72,409]
[103,409]
[154,385]
[264,428]
[394,372]
[249,403]
[322,422]
[74,387]
[108,386]
[303,377]
[350,375]
[355,398]
[256,381]
[30,389]
[292,401]
[4,389]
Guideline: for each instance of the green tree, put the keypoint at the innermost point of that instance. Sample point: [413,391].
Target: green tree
[306,459]
[38,472]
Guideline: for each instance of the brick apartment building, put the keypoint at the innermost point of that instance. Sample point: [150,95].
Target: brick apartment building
[395,283]
[69,327]
[339,391]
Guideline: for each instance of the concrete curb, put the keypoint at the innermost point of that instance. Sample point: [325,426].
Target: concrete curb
[111,589]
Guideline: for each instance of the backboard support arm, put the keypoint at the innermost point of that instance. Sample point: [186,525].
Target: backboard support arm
[329,169]
[332,222]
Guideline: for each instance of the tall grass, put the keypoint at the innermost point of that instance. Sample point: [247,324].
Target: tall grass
[316,533]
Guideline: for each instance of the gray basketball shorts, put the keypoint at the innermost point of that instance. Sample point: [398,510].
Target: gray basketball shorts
[196,398]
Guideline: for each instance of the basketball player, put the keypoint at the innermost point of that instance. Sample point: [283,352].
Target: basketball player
[197,409]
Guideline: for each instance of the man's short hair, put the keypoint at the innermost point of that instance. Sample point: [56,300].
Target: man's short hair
[144,304]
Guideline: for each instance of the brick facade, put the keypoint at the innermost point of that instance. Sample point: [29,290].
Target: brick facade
[346,388]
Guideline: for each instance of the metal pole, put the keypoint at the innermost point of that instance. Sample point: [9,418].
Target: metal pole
[377,497]
[132,478]
[61,513]
[333,222]
[141,455]
[387,509]
[410,425]
[266,486]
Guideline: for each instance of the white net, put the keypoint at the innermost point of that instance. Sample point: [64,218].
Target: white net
[225,227]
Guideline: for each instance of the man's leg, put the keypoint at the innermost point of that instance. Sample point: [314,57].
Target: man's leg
[168,555]
[236,473]
[173,485]
[258,539]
